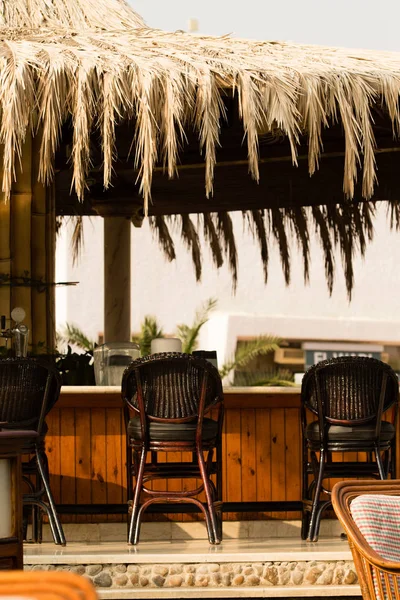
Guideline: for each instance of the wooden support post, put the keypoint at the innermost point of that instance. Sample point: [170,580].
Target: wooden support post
[117,279]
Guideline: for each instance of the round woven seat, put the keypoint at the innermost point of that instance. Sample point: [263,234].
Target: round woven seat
[173,432]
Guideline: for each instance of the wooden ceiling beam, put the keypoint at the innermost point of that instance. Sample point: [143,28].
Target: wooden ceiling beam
[280,185]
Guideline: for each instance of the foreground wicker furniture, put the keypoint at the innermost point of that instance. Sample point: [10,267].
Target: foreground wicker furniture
[12,445]
[349,396]
[166,397]
[46,585]
[29,388]
[372,526]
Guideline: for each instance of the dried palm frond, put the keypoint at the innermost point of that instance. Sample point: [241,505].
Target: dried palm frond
[86,14]
[211,236]
[393,210]
[298,219]
[261,233]
[225,229]
[277,217]
[191,238]
[77,238]
[346,228]
[94,64]
[166,242]
[322,229]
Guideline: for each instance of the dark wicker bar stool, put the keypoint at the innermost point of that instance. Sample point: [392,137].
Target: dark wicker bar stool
[167,396]
[29,388]
[349,396]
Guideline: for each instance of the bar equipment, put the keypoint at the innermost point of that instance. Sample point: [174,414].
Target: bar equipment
[166,345]
[111,360]
[19,334]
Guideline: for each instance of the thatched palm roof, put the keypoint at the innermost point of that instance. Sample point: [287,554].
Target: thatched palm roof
[59,63]
[74,14]
[169,82]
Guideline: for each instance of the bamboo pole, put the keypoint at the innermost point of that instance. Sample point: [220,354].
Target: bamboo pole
[20,243]
[51,266]
[38,253]
[5,251]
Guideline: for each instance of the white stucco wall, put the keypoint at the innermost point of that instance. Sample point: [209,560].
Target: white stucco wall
[170,292]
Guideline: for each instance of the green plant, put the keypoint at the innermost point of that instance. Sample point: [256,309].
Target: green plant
[149,330]
[76,369]
[280,377]
[246,352]
[72,334]
[189,334]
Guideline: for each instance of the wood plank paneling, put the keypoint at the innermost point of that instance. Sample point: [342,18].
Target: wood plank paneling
[278,466]
[263,456]
[233,458]
[98,452]
[53,452]
[83,436]
[68,460]
[248,453]
[292,458]
[261,453]
[115,472]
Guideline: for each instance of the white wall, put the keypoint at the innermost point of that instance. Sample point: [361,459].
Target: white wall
[169,290]
[351,23]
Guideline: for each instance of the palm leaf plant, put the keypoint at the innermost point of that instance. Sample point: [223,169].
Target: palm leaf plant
[263,344]
[149,330]
[273,377]
[74,336]
[189,334]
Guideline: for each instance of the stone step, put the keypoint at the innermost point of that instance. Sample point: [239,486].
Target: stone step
[241,567]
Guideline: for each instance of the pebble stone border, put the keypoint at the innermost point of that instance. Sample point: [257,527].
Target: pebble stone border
[201,575]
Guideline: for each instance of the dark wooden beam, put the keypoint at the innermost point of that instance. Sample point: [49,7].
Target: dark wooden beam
[280,185]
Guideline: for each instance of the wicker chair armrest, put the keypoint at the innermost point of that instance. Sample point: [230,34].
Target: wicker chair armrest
[342,495]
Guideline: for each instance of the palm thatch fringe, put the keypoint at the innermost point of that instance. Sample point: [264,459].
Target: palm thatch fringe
[172,83]
[191,238]
[159,226]
[77,238]
[79,14]
[211,236]
[225,229]
[346,227]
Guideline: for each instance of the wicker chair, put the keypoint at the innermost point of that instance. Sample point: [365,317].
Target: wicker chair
[375,548]
[166,397]
[349,396]
[28,390]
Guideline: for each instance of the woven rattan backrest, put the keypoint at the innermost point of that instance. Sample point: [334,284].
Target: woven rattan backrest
[171,384]
[349,388]
[28,389]
[378,577]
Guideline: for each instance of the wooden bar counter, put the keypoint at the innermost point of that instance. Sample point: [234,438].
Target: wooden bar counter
[262,452]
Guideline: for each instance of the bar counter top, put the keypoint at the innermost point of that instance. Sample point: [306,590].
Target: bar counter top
[235,397]
[103,389]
